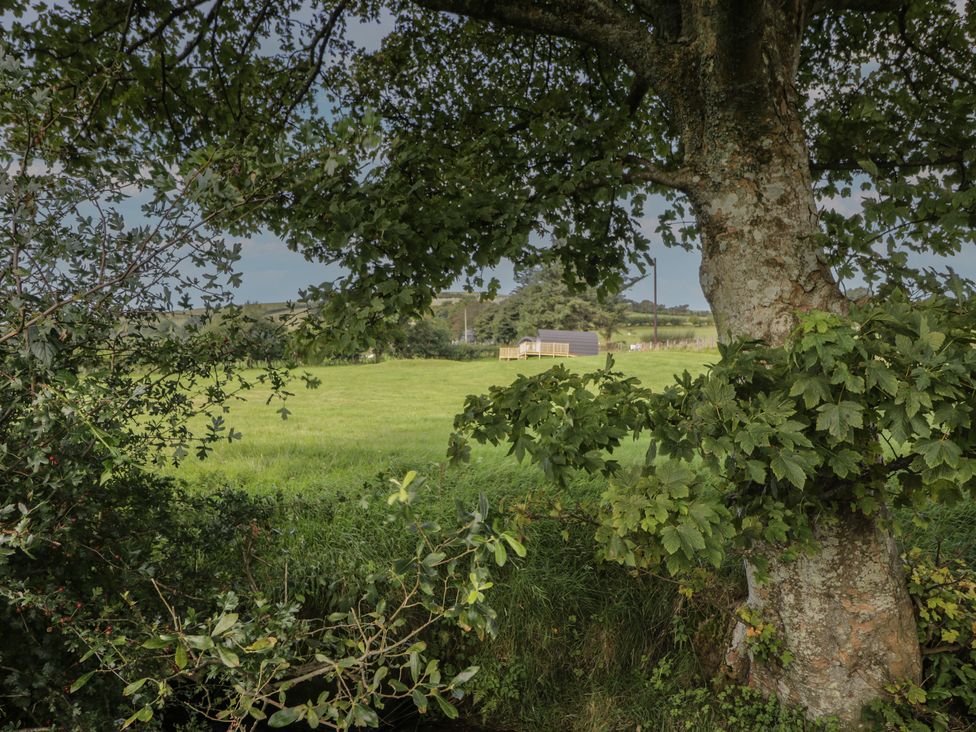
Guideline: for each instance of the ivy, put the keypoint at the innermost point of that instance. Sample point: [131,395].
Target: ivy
[851,414]
[944,596]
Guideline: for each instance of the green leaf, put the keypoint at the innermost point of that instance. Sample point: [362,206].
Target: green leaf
[757,471]
[434,558]
[134,686]
[501,556]
[877,373]
[916,694]
[228,657]
[516,545]
[691,539]
[80,681]
[180,657]
[845,462]
[814,389]
[158,642]
[143,715]
[785,465]
[838,419]
[419,700]
[284,717]
[262,644]
[447,709]
[224,623]
[938,452]
[414,667]
[464,676]
[868,166]
[670,539]
[199,642]
[715,556]
[364,716]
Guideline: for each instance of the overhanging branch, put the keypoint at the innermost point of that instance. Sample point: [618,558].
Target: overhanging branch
[596,23]
[644,171]
[867,6]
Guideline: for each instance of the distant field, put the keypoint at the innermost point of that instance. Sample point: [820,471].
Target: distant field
[644,333]
[369,417]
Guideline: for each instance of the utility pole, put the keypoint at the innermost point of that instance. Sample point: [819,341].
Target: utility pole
[465,336]
[654,264]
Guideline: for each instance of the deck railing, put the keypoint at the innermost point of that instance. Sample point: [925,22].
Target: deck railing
[533,348]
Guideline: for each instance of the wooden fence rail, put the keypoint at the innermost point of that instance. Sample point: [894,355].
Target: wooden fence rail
[533,348]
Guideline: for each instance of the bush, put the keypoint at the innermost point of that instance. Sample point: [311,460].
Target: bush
[944,596]
[122,598]
[149,607]
[425,338]
[432,339]
[473,351]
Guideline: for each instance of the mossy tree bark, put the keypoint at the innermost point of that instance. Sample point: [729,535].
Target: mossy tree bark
[843,613]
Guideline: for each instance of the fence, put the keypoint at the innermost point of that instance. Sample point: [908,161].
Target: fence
[685,344]
[533,348]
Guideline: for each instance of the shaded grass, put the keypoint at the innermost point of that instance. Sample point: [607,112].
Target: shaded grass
[582,644]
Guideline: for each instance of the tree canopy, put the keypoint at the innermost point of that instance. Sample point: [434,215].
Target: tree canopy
[795,141]
[479,130]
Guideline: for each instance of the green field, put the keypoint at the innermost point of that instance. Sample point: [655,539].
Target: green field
[366,418]
[582,645]
[644,333]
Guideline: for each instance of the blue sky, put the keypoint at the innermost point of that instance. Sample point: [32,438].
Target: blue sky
[272,273]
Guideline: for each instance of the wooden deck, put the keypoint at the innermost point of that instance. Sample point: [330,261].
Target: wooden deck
[529,350]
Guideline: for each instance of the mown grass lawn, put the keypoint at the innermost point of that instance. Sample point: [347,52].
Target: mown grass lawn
[366,418]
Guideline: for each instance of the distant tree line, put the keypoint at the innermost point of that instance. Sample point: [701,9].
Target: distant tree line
[541,299]
[544,299]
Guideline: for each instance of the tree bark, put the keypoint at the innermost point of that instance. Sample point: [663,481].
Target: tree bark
[762,263]
[844,613]
[845,616]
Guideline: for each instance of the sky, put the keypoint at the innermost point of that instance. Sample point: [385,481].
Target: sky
[272,273]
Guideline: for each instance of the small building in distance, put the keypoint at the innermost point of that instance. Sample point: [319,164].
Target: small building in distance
[554,343]
[581,342]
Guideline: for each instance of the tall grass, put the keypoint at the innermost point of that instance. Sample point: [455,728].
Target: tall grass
[577,637]
[583,646]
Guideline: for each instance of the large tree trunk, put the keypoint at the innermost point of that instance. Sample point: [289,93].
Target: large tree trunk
[761,259]
[844,613]
[846,617]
